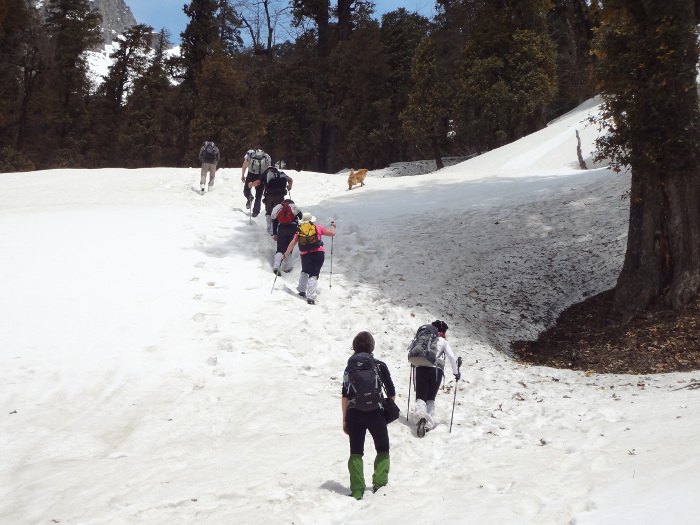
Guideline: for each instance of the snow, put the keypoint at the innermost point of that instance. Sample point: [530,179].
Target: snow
[152,373]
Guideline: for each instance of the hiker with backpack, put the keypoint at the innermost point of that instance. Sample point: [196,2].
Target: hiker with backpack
[256,161]
[426,353]
[276,183]
[209,157]
[285,221]
[308,237]
[363,380]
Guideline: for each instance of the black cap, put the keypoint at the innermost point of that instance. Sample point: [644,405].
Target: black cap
[440,325]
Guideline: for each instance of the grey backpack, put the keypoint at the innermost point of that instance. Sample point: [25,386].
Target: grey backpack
[257,164]
[422,351]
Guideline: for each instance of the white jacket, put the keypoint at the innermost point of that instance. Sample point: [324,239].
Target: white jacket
[444,349]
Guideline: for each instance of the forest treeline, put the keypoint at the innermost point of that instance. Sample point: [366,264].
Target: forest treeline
[320,85]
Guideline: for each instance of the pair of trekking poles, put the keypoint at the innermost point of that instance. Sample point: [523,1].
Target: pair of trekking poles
[330,285]
[454,399]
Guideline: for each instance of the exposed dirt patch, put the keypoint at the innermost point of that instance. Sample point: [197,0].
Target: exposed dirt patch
[657,341]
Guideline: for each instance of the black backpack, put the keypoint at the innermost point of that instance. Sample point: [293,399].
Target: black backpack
[422,351]
[209,154]
[275,182]
[364,380]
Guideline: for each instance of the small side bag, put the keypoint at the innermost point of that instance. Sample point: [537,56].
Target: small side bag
[390,409]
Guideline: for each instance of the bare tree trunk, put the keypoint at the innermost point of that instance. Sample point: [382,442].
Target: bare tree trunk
[581,162]
[344,13]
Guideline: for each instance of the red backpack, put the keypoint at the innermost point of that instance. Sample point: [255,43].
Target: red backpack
[286,215]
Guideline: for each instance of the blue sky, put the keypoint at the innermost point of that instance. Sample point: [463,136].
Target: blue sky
[168,13]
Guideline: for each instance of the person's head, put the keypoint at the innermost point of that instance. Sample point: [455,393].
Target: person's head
[441,326]
[307,217]
[363,342]
[288,201]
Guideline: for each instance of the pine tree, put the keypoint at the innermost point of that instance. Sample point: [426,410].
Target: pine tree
[401,33]
[507,72]
[426,120]
[73,29]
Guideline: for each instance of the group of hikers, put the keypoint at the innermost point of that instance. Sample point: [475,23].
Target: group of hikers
[367,384]
[285,222]
[365,409]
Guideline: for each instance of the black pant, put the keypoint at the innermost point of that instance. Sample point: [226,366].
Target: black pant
[272,200]
[285,234]
[427,381]
[358,423]
[251,177]
[311,263]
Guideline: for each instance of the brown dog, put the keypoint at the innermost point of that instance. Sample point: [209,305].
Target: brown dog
[356,177]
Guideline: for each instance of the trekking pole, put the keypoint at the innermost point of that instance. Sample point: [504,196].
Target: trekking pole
[459,363]
[330,281]
[410,381]
[250,209]
[273,282]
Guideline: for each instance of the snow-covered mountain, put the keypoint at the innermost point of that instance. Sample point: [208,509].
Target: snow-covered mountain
[116,16]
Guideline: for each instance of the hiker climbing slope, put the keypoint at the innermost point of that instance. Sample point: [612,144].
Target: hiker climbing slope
[426,353]
[209,157]
[285,221]
[308,237]
[256,161]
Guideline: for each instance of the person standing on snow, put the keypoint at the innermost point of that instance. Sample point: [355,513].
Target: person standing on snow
[276,184]
[357,422]
[308,237]
[209,157]
[285,221]
[427,381]
[256,161]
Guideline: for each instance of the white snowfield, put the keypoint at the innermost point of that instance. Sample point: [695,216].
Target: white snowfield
[151,374]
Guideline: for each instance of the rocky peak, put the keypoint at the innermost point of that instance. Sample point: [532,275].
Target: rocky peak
[116,16]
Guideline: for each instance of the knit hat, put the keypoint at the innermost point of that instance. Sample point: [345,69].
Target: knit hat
[307,217]
[440,325]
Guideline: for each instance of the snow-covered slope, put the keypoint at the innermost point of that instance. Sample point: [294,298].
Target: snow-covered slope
[152,373]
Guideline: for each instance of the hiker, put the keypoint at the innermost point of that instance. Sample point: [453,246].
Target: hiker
[209,157]
[308,237]
[427,381]
[285,221]
[255,161]
[357,420]
[276,183]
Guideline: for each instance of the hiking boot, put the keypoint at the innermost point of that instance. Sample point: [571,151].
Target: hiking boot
[276,271]
[202,190]
[310,301]
[256,214]
[420,428]
[303,294]
[247,203]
